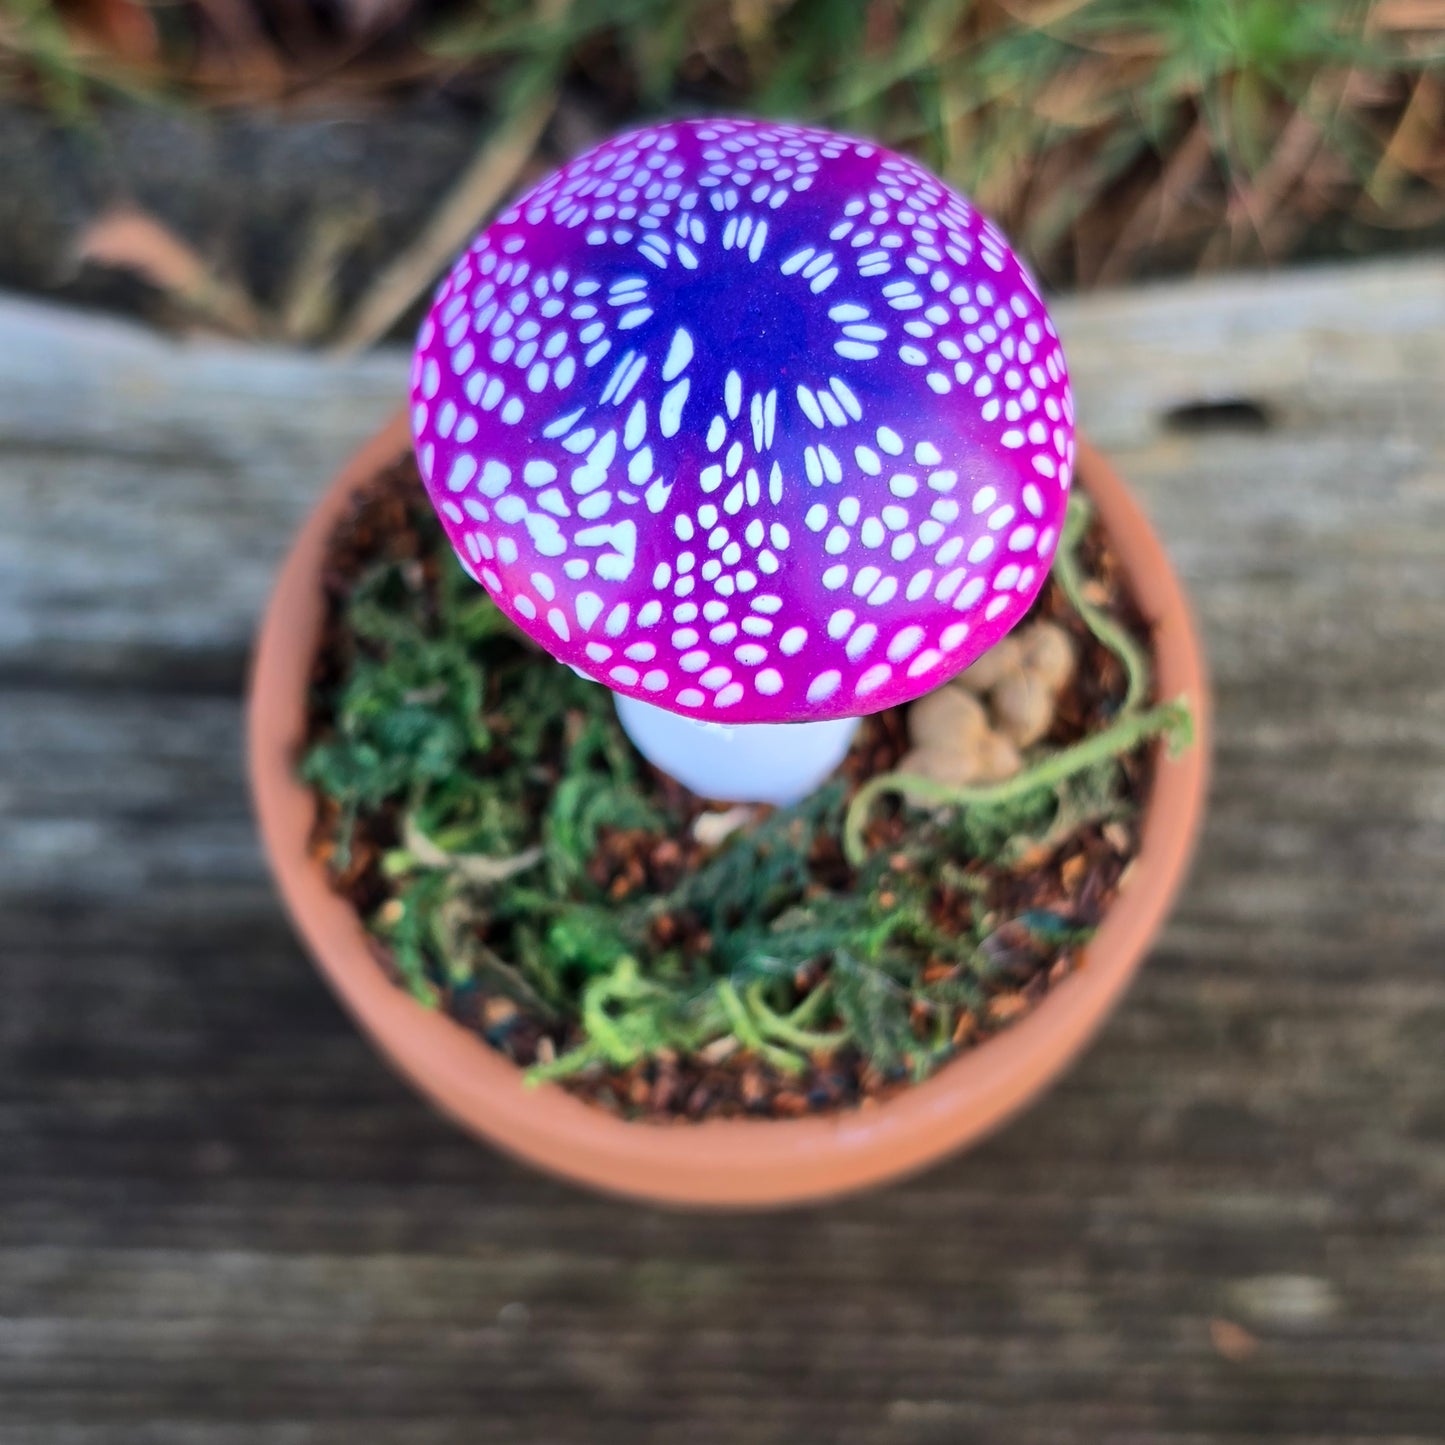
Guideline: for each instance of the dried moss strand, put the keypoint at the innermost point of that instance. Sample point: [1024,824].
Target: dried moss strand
[748,1033]
[783,1027]
[420,851]
[1069,575]
[480,755]
[574,1061]
[1170,719]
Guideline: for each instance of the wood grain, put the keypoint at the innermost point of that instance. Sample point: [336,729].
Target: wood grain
[222,1221]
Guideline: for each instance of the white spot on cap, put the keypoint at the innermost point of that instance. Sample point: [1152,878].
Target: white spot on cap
[464,469]
[873,679]
[866,580]
[972,591]
[679,353]
[849,402]
[904,644]
[918,584]
[588,607]
[669,413]
[824,685]
[861,641]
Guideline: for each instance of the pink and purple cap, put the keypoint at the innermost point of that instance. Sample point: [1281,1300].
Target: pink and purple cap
[753,422]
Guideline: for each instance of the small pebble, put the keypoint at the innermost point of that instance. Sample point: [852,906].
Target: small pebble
[710,829]
[947,718]
[997,759]
[953,767]
[1023,708]
[1047,651]
[497,1011]
[1000,660]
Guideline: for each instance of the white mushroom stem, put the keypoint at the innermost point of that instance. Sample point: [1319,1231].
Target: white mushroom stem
[777,763]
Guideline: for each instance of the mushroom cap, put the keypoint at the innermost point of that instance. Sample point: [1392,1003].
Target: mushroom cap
[751,421]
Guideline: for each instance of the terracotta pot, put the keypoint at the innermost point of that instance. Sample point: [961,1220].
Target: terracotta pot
[722,1162]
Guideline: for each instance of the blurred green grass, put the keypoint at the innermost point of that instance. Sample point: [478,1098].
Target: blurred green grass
[1111,138]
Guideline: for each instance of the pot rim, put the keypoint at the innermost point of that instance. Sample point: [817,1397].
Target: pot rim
[716,1162]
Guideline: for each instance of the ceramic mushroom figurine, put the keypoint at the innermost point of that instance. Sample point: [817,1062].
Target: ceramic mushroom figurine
[759,426]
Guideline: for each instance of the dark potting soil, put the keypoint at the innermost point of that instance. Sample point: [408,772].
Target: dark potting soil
[628,899]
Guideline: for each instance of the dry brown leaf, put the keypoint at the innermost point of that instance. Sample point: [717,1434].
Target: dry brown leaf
[366,17]
[1257,219]
[1154,213]
[1407,15]
[1415,145]
[129,239]
[122,28]
[1232,1341]
[1040,14]
[1080,96]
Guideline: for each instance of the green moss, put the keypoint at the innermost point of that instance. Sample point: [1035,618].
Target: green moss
[496,777]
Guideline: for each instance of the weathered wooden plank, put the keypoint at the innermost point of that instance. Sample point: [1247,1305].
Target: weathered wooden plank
[222,1220]
[147,488]
[172,475]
